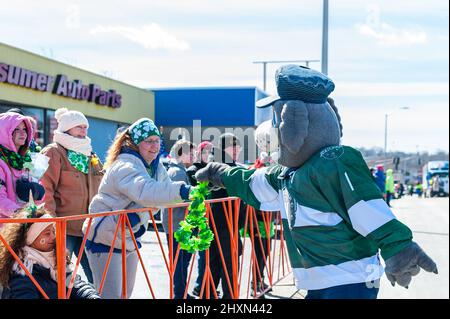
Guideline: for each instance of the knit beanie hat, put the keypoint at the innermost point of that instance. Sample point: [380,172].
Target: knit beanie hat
[37,228]
[69,119]
[204,144]
[142,129]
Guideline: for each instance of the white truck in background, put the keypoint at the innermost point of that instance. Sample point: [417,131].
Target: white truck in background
[435,178]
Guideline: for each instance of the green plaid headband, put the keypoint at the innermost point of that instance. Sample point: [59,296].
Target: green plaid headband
[142,129]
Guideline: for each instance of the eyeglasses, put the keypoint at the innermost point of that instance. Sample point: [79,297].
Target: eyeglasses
[152,142]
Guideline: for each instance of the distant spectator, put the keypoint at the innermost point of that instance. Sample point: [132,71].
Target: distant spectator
[390,189]
[380,179]
[203,155]
[183,151]
[418,189]
[435,186]
[34,146]
[372,171]
[228,152]
[401,189]
[410,189]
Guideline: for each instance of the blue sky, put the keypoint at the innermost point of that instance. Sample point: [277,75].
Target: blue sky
[383,55]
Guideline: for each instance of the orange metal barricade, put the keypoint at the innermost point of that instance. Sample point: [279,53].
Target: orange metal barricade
[240,263]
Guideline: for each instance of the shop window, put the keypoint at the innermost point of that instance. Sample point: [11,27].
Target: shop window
[52,124]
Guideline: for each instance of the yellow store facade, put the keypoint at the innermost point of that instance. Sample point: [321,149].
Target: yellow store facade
[39,86]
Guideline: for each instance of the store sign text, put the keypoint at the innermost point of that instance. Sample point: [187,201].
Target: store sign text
[59,85]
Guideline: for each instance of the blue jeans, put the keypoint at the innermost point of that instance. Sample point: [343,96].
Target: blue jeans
[181,270]
[201,269]
[73,244]
[352,291]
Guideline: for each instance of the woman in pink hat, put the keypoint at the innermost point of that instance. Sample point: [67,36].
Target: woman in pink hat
[15,185]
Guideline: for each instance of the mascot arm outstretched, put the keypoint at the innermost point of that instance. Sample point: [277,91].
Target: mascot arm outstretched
[343,180]
[258,188]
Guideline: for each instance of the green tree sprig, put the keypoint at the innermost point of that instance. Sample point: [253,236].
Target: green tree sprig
[195,221]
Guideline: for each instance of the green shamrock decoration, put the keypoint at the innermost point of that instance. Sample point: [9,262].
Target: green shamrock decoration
[195,220]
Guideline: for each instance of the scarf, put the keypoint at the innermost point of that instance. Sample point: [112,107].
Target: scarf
[15,160]
[78,145]
[151,169]
[79,161]
[31,256]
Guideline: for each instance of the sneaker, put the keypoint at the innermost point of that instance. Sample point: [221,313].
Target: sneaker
[196,292]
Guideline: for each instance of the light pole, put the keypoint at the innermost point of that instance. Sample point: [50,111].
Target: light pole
[325,38]
[385,138]
[386,133]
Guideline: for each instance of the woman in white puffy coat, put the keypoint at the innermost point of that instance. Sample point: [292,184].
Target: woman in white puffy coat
[134,178]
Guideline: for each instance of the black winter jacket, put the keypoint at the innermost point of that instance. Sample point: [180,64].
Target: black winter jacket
[21,287]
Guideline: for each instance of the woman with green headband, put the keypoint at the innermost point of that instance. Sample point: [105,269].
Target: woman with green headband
[134,178]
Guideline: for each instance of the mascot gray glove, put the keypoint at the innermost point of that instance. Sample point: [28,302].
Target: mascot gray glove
[407,263]
[212,173]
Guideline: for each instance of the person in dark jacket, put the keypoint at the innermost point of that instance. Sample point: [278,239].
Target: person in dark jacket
[380,179]
[204,154]
[228,152]
[34,243]
[183,151]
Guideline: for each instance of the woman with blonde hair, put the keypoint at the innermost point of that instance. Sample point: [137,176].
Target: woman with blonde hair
[134,178]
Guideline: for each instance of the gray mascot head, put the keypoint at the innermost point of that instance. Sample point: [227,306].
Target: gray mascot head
[306,118]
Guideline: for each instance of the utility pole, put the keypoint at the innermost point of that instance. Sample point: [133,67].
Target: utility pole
[264,63]
[385,139]
[386,133]
[325,38]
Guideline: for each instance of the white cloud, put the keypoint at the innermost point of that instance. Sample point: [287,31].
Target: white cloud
[150,36]
[386,34]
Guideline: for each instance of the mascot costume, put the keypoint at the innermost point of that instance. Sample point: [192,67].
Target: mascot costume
[335,219]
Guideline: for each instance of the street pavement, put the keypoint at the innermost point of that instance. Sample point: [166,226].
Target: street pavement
[428,218]
[159,278]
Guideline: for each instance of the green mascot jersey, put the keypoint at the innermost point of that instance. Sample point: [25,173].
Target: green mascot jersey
[334,216]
